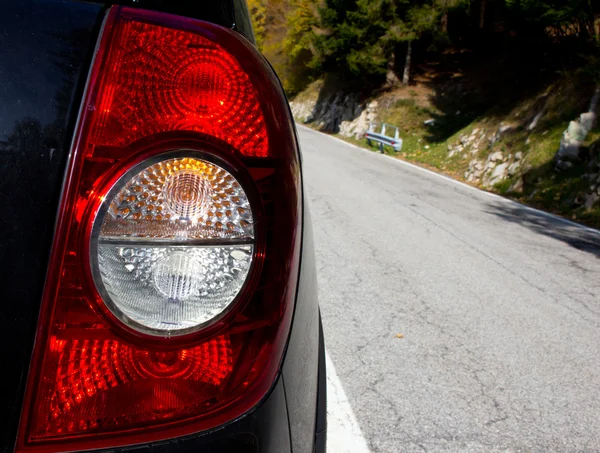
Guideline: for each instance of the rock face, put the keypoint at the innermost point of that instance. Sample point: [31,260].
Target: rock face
[496,167]
[468,144]
[328,113]
[475,171]
[302,110]
[358,126]
[339,113]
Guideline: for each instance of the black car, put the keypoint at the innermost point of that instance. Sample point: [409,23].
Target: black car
[158,289]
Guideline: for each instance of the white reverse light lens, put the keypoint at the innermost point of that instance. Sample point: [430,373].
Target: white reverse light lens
[173,245]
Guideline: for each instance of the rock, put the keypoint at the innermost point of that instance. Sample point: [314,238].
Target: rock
[513,168]
[569,147]
[590,200]
[593,166]
[536,120]
[476,165]
[455,149]
[502,129]
[489,166]
[587,121]
[500,171]
[329,113]
[518,155]
[358,126]
[303,110]
[347,128]
[517,186]
[475,170]
[562,165]
[576,131]
[496,157]
[493,173]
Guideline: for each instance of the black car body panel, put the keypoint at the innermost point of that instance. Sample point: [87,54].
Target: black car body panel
[303,348]
[229,13]
[46,48]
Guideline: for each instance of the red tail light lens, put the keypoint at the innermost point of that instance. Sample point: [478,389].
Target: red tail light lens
[163,79]
[184,155]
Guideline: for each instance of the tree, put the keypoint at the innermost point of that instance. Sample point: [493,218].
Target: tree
[565,17]
[258,13]
[362,38]
[419,19]
[298,45]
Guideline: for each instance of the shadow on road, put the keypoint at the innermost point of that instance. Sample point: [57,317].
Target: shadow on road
[580,238]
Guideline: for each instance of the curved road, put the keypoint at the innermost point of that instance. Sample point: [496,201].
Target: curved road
[457,321]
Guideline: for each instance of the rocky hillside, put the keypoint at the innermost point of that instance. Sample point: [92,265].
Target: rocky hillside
[543,150]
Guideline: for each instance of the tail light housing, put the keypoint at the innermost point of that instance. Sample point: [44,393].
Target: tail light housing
[173,272]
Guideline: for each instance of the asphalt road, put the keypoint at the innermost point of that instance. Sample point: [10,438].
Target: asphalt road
[498,307]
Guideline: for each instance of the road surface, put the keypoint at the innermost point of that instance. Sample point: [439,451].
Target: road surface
[457,321]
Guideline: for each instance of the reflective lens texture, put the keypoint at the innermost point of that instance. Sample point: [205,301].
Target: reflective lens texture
[174,245]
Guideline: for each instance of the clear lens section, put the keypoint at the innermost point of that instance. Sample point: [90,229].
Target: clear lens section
[203,211]
[170,288]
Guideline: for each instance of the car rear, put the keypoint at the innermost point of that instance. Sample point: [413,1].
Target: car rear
[157,258]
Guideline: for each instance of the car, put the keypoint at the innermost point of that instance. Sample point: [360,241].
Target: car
[158,283]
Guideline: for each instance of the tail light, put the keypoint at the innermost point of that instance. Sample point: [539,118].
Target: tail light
[174,267]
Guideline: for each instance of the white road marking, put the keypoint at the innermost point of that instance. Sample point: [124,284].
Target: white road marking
[460,183]
[343,433]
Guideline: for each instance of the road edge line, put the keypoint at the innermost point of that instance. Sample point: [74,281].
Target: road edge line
[343,431]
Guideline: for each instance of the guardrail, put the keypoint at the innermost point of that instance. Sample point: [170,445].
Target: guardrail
[382,138]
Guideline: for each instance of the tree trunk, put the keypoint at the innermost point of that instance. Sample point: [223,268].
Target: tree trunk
[444,23]
[444,20]
[482,13]
[406,74]
[391,78]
